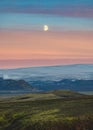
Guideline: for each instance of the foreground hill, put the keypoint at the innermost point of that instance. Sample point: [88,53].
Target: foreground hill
[56,94]
[47,114]
[14,85]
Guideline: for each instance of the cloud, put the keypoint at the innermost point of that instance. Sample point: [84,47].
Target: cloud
[5,76]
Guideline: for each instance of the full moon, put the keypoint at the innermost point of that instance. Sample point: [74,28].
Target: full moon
[45,27]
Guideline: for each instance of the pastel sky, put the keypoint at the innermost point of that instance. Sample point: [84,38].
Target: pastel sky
[24,43]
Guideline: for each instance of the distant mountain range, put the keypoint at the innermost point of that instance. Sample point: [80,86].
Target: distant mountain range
[14,85]
[66,84]
[77,77]
[75,71]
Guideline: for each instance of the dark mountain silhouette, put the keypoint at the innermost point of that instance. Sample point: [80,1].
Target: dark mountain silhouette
[67,84]
[15,85]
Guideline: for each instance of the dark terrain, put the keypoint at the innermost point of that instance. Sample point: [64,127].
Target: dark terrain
[69,84]
[14,85]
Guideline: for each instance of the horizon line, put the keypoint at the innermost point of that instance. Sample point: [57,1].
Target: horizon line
[70,64]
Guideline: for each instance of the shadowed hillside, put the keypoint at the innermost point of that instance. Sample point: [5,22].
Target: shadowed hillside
[14,85]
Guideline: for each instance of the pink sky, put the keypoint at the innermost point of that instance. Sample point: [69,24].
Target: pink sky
[55,46]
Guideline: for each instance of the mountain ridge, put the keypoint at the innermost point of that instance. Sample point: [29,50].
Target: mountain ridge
[14,85]
[46,66]
[77,77]
[75,71]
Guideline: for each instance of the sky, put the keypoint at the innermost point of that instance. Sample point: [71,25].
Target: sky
[25,43]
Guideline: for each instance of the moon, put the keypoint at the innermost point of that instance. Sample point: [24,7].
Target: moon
[46,28]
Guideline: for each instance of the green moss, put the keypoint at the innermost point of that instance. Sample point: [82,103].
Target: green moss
[47,114]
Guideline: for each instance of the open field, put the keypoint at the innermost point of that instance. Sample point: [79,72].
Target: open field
[55,110]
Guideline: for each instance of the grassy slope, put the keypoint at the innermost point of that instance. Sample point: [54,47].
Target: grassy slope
[56,94]
[57,113]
